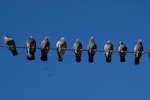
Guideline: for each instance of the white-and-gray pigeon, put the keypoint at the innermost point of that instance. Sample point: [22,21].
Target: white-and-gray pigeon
[108,49]
[10,43]
[61,48]
[91,49]
[45,47]
[77,46]
[122,51]
[30,48]
[138,50]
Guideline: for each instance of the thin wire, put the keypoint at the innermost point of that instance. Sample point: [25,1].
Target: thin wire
[73,49]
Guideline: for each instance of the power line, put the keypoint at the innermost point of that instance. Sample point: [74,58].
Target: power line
[68,49]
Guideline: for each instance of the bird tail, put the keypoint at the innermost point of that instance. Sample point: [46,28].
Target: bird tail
[122,56]
[44,57]
[137,60]
[78,57]
[122,59]
[108,58]
[14,52]
[91,59]
[30,57]
[60,53]
[60,58]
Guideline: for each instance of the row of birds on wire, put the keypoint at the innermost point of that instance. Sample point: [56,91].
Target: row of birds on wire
[61,47]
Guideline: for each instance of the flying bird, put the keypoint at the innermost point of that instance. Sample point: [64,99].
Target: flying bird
[122,51]
[61,48]
[45,47]
[91,49]
[138,50]
[10,43]
[108,49]
[77,46]
[30,48]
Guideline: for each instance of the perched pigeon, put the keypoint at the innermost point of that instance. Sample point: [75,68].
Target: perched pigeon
[138,50]
[10,43]
[45,46]
[61,48]
[122,51]
[91,49]
[77,46]
[108,48]
[31,48]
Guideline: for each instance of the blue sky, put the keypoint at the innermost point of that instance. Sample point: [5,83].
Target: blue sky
[126,20]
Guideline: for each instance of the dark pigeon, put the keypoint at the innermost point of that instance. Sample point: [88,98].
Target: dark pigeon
[122,51]
[77,46]
[30,48]
[10,43]
[61,48]
[108,48]
[45,47]
[138,50]
[91,49]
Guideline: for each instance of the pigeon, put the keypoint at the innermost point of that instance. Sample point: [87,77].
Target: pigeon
[30,48]
[91,49]
[45,46]
[61,48]
[108,49]
[77,46]
[122,51]
[138,50]
[10,43]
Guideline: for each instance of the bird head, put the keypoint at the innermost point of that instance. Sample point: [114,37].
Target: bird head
[4,37]
[46,38]
[92,39]
[31,37]
[77,40]
[121,42]
[108,41]
[62,39]
[139,40]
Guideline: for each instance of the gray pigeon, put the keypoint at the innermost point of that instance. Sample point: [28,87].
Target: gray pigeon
[61,48]
[108,48]
[122,51]
[138,50]
[30,48]
[45,46]
[91,49]
[77,46]
[10,43]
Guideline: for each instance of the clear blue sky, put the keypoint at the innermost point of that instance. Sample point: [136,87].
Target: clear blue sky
[126,20]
